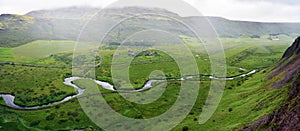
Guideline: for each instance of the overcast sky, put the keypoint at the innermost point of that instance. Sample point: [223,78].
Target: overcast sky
[250,10]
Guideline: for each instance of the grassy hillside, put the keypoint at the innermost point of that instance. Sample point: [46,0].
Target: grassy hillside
[43,48]
[241,104]
[20,29]
[67,24]
[245,99]
[285,74]
[43,52]
[6,54]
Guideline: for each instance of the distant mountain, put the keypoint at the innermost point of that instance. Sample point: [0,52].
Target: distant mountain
[19,29]
[67,23]
[64,13]
[287,72]
[230,28]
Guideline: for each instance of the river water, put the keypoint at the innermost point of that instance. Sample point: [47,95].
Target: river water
[9,99]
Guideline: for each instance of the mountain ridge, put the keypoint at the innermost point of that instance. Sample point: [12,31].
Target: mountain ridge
[66,23]
[293,50]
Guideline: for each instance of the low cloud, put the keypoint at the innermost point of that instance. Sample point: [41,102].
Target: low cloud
[286,2]
[251,10]
[248,10]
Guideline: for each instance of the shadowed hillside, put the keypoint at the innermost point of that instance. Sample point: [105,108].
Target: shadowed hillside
[287,117]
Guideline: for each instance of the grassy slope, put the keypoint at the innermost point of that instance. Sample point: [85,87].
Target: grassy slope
[237,96]
[253,53]
[43,52]
[31,87]
[242,105]
[42,48]
[6,54]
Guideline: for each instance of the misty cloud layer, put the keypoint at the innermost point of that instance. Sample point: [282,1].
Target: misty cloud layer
[250,10]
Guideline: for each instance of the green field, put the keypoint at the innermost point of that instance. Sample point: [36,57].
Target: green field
[6,54]
[37,50]
[31,87]
[37,70]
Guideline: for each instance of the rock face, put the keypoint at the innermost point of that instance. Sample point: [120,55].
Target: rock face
[289,65]
[287,117]
[293,50]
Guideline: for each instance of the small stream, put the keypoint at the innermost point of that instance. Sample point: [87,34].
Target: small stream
[9,99]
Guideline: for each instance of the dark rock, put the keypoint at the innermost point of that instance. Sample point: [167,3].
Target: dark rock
[287,117]
[6,15]
[293,50]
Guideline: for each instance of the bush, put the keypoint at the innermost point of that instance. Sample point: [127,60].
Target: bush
[191,113]
[35,123]
[138,116]
[185,128]
[74,114]
[62,121]
[50,117]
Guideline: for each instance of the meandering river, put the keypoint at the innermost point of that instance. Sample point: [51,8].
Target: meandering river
[9,99]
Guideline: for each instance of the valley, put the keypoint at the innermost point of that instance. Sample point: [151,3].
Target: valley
[51,77]
[241,59]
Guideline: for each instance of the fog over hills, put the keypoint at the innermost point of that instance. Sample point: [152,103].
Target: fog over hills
[250,82]
[66,23]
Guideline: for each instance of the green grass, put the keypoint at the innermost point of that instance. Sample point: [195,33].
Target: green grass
[244,101]
[130,109]
[6,55]
[10,122]
[146,111]
[241,105]
[59,60]
[43,48]
[66,116]
[34,86]
[253,53]
[2,102]
[36,50]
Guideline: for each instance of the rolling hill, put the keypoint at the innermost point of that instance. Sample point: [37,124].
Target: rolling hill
[268,100]
[67,23]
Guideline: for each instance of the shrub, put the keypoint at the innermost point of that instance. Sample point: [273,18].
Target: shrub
[50,117]
[191,113]
[139,116]
[62,121]
[35,123]
[74,114]
[185,128]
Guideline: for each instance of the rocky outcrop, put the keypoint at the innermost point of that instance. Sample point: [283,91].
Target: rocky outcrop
[293,50]
[289,65]
[287,117]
